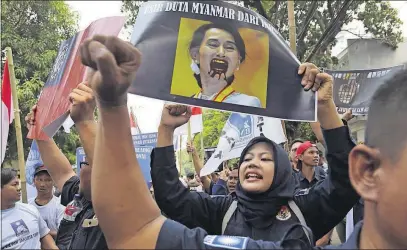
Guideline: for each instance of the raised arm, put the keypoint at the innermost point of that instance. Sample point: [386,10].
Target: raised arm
[206,181]
[334,196]
[114,159]
[193,209]
[82,113]
[56,162]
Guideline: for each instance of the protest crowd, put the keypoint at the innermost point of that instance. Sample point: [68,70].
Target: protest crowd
[271,197]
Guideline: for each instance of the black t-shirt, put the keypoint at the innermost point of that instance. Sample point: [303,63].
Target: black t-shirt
[76,234]
[174,235]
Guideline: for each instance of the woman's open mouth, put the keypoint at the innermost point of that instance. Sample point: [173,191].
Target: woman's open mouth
[251,177]
[218,67]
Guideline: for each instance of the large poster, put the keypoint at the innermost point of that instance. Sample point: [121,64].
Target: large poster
[66,73]
[218,55]
[353,89]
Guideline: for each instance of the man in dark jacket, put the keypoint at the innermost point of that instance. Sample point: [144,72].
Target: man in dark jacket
[378,171]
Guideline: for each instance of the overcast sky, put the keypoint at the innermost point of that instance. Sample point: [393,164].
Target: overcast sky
[149,110]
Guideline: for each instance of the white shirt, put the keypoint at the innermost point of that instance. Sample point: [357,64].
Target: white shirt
[52,213]
[22,227]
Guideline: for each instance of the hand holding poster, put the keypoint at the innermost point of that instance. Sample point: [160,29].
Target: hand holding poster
[66,73]
[218,55]
[353,89]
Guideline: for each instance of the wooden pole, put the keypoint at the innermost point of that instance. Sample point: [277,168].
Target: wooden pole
[189,138]
[291,25]
[17,124]
[293,46]
[180,154]
[203,149]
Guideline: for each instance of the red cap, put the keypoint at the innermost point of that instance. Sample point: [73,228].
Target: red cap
[303,147]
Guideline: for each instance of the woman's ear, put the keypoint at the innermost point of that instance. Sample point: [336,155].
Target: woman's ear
[364,171]
[194,53]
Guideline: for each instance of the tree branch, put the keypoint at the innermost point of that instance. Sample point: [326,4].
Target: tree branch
[305,25]
[273,10]
[330,10]
[332,25]
[320,21]
[260,8]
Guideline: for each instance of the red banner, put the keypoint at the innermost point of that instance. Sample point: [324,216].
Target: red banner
[66,74]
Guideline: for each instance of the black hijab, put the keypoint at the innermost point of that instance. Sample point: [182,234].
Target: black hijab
[260,209]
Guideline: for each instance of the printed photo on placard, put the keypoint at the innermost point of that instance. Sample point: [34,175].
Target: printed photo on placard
[353,89]
[218,55]
[225,64]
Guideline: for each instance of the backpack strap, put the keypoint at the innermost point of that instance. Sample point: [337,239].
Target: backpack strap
[228,215]
[300,217]
[291,204]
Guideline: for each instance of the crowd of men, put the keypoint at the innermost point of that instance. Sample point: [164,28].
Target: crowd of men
[270,199]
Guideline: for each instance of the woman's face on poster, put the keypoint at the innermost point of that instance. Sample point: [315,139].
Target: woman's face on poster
[218,55]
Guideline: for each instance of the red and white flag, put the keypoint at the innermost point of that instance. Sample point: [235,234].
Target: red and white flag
[196,123]
[7,115]
[135,130]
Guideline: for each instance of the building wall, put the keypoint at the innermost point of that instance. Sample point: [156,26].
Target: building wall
[357,127]
[371,54]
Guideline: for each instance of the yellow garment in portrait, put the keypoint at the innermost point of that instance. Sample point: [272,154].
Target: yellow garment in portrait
[252,76]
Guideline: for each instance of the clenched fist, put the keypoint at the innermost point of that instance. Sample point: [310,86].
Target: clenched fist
[175,115]
[114,63]
[83,103]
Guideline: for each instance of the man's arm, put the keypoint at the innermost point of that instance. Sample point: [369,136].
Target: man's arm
[56,162]
[82,113]
[324,240]
[53,233]
[334,196]
[47,242]
[206,181]
[114,159]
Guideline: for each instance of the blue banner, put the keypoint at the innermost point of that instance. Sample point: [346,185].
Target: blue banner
[80,157]
[33,162]
[143,158]
[149,139]
[142,153]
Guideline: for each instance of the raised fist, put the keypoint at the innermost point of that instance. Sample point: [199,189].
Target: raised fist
[175,115]
[190,147]
[30,117]
[83,103]
[114,63]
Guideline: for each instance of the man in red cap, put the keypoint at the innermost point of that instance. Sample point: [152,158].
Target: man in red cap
[308,159]
[310,174]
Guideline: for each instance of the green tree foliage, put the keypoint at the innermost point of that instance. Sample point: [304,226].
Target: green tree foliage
[34,30]
[314,17]
[213,121]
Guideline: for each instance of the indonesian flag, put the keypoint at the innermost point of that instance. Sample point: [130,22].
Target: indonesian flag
[7,115]
[133,124]
[196,123]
